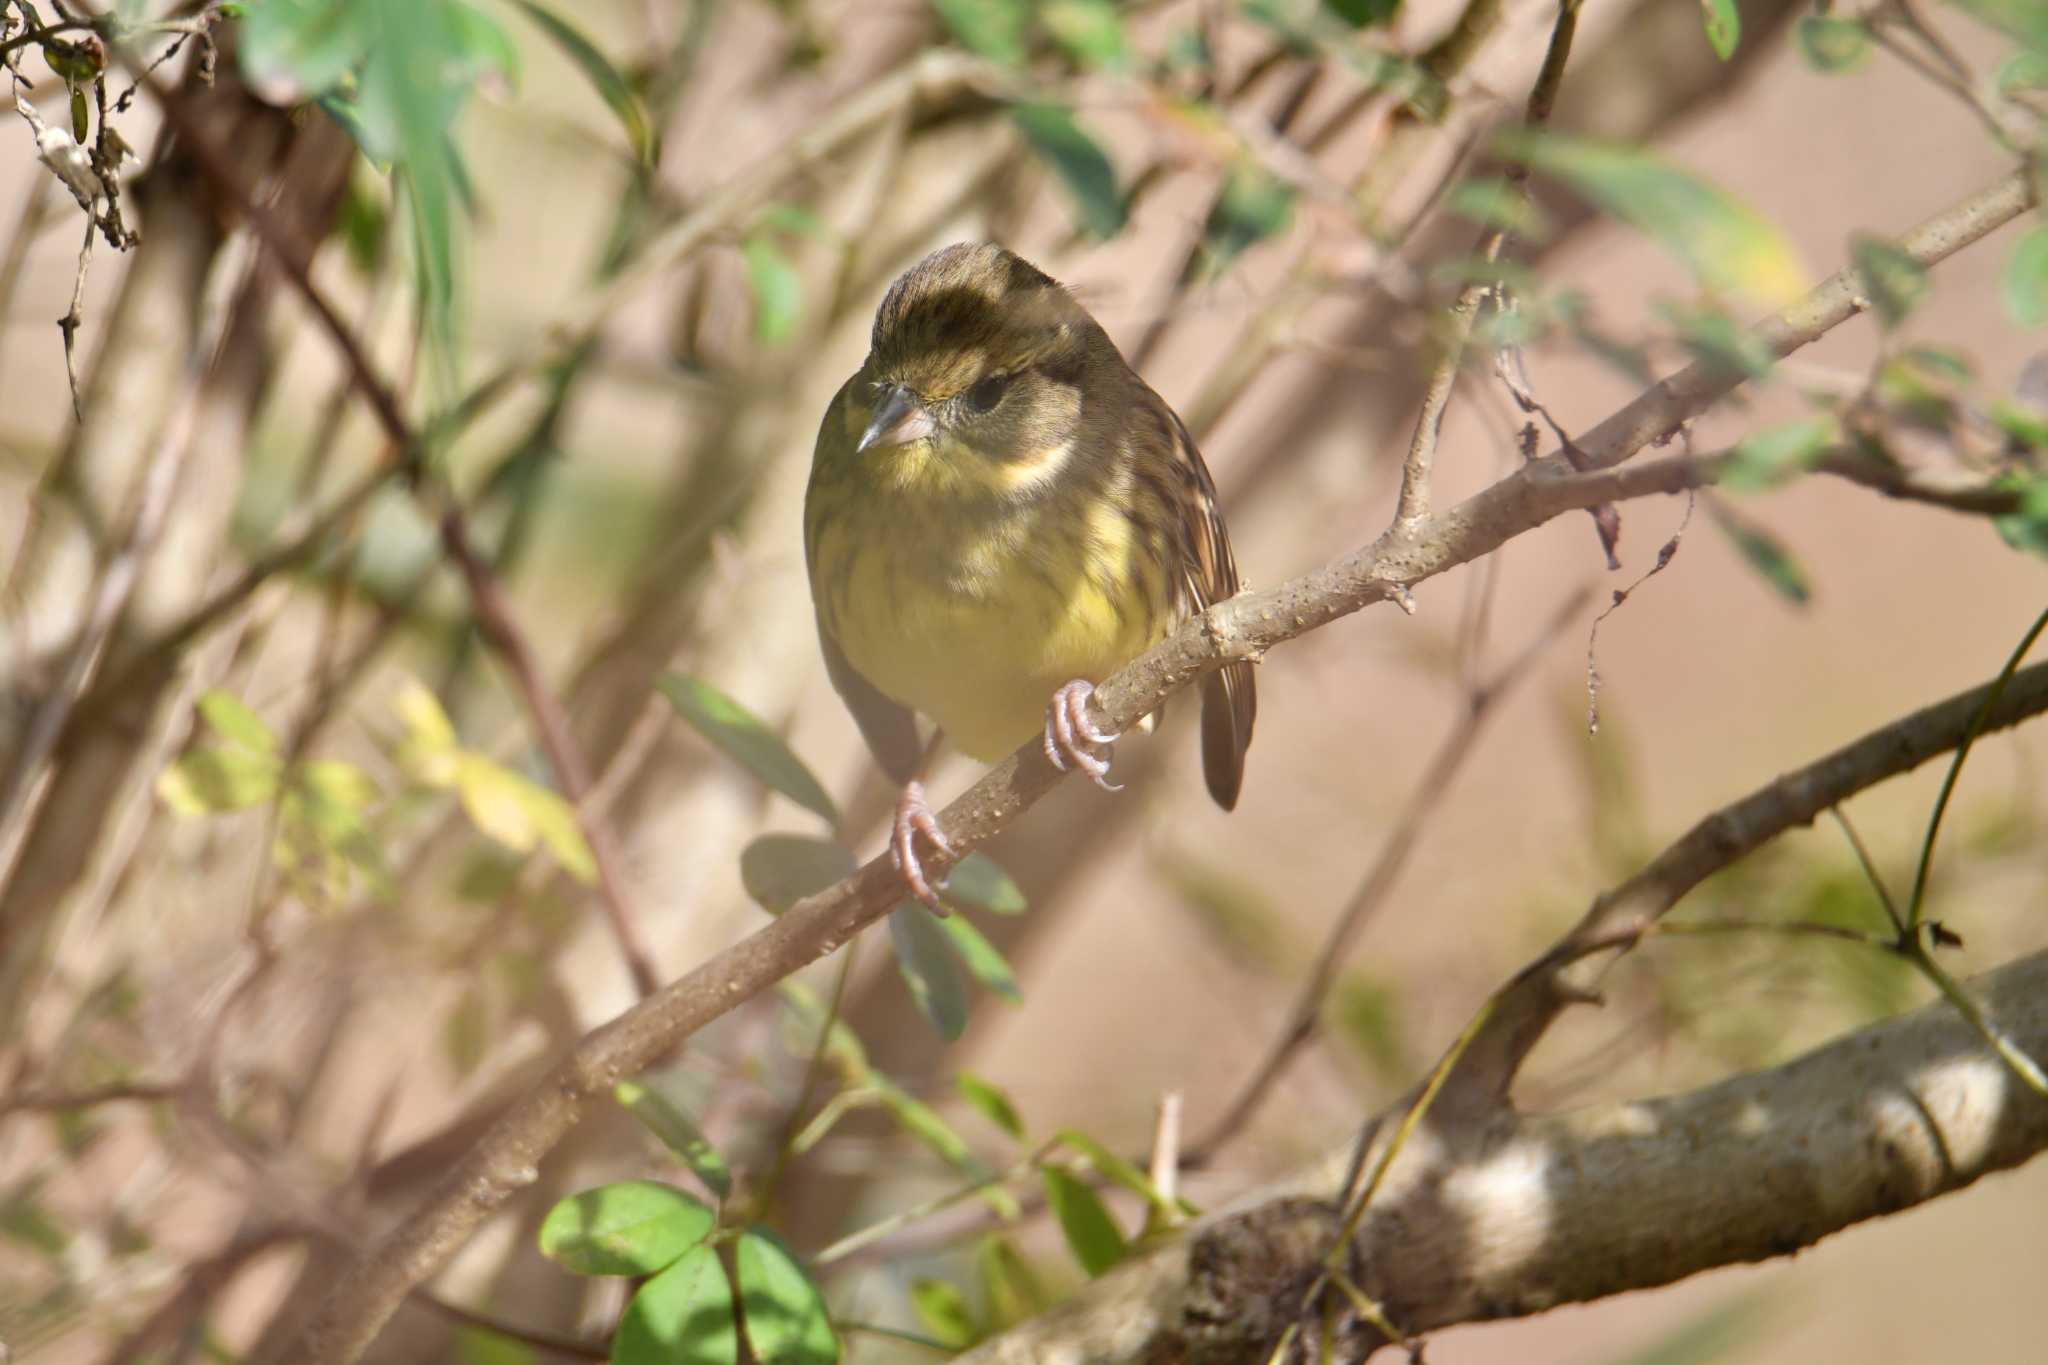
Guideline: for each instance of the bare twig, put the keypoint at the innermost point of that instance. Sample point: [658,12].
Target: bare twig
[1304,1020]
[1413,503]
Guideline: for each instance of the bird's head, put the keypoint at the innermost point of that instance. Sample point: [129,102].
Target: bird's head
[977,361]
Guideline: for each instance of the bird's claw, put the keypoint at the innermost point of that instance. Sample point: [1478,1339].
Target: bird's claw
[914,817]
[1071,738]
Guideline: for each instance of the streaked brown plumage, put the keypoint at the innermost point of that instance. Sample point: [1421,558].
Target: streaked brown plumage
[1000,507]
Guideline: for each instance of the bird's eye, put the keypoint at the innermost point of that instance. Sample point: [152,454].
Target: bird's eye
[988,392]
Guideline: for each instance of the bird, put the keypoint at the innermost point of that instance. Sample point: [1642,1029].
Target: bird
[1001,513]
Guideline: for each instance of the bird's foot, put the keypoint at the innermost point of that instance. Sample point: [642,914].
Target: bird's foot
[914,817]
[1071,739]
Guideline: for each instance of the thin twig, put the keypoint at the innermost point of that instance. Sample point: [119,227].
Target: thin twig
[1870,874]
[1918,902]
[1378,883]
[1413,502]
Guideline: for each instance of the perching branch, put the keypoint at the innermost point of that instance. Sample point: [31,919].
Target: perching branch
[506,1160]
[1507,1214]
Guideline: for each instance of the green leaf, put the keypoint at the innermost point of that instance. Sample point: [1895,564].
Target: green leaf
[943,1311]
[1892,280]
[793,219]
[678,1132]
[1092,31]
[1363,13]
[1092,1235]
[209,781]
[929,970]
[2021,422]
[807,1016]
[362,221]
[922,1122]
[466,1032]
[2027,529]
[785,1317]
[299,48]
[473,1346]
[978,883]
[683,1316]
[420,711]
[1253,204]
[2024,286]
[2024,72]
[778,870]
[1112,1167]
[1727,244]
[1768,458]
[1188,50]
[748,742]
[1916,391]
[993,28]
[1496,202]
[396,74]
[1765,553]
[1365,1014]
[1079,162]
[611,86]
[2026,20]
[335,783]
[1245,927]
[484,46]
[521,814]
[778,290]
[1630,361]
[982,959]
[1009,1285]
[1717,339]
[26,1220]
[1723,24]
[1830,44]
[236,723]
[990,1100]
[1939,363]
[634,1227]
[561,833]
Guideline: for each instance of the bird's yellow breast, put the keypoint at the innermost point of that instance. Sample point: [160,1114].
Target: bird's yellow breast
[972,606]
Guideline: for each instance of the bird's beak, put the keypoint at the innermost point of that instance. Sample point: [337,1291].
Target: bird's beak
[898,420]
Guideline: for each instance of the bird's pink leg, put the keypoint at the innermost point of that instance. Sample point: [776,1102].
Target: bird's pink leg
[1072,739]
[914,816]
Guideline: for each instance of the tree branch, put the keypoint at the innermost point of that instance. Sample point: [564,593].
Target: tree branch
[1619,916]
[1525,1212]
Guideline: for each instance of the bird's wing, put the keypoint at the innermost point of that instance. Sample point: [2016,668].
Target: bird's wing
[888,726]
[1230,700]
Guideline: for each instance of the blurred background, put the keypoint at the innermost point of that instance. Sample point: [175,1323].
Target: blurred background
[666,249]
